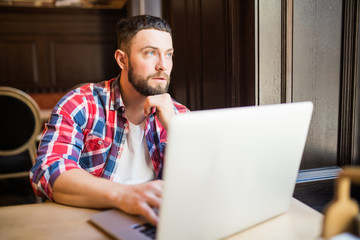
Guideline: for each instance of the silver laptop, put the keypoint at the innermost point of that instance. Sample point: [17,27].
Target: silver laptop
[225,170]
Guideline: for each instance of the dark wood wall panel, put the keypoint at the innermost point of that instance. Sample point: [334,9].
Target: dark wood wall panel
[87,58]
[53,49]
[19,51]
[185,20]
[347,121]
[356,113]
[214,52]
[214,49]
[242,44]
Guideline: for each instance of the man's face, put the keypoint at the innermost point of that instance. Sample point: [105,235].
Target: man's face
[150,62]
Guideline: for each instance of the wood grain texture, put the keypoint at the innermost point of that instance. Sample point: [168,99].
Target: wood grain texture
[53,49]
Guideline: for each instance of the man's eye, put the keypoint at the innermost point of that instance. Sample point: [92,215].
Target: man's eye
[150,53]
[169,55]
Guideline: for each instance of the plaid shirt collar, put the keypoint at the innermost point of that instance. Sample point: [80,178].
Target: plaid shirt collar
[116,99]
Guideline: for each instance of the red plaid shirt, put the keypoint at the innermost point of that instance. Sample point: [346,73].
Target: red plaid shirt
[86,130]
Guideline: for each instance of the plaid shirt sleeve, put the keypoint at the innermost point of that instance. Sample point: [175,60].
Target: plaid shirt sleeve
[61,144]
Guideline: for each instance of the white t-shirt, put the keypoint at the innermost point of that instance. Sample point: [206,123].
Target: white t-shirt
[134,165]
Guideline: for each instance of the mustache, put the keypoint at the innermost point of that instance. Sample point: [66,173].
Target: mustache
[159,74]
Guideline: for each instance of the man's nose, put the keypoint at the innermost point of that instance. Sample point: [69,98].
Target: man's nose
[161,65]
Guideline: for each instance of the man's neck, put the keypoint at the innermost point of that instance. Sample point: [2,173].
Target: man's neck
[133,101]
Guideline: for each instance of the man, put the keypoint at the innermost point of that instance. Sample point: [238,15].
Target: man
[104,144]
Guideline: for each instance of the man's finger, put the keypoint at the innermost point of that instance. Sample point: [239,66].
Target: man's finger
[159,187]
[150,214]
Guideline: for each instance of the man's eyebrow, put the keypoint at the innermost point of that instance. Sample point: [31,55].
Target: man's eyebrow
[156,48]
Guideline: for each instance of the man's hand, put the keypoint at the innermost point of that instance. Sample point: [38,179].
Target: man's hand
[79,188]
[142,198]
[164,108]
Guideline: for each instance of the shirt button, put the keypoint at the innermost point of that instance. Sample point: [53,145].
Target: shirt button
[99,142]
[119,152]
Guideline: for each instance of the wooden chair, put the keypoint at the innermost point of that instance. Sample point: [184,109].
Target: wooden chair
[340,214]
[19,127]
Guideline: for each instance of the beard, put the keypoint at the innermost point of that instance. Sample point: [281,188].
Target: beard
[141,85]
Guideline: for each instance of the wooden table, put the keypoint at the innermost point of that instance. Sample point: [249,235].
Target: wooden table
[54,221]
[300,222]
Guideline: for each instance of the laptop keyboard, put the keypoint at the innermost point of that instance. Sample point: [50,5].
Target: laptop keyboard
[147,229]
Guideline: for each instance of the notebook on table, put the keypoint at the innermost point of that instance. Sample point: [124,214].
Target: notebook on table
[225,170]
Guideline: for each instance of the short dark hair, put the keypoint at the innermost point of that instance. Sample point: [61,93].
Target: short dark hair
[127,28]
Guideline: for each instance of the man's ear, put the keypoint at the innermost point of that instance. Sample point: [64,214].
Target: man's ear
[121,58]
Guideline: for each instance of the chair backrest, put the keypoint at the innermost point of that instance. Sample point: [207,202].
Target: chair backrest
[19,122]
